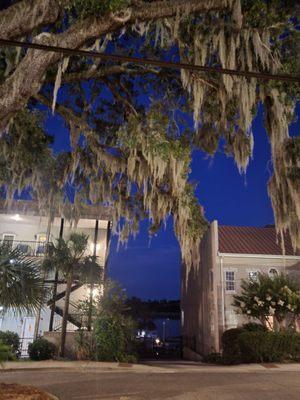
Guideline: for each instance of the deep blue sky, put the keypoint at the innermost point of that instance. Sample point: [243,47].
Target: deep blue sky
[151,270]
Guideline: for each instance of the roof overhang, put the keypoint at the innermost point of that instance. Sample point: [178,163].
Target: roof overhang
[274,256]
[31,208]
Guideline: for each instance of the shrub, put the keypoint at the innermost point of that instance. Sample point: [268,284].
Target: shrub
[12,340]
[41,349]
[213,358]
[230,344]
[254,327]
[128,358]
[84,345]
[113,338]
[269,346]
[5,353]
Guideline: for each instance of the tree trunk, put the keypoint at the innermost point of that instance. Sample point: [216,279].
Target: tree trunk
[65,315]
[21,18]
[39,311]
[89,324]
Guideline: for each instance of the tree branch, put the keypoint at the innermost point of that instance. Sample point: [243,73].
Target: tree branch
[102,72]
[28,77]
[82,125]
[21,18]
[119,98]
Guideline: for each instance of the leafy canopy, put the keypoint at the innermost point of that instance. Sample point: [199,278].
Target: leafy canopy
[130,131]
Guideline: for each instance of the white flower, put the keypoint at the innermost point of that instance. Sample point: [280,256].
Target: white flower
[271,310]
[280,302]
[256,299]
[248,311]
[261,303]
[268,298]
[242,304]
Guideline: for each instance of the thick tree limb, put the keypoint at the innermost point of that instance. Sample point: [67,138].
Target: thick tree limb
[82,125]
[28,77]
[103,72]
[21,18]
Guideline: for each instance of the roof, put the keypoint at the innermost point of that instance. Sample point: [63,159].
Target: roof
[252,240]
[30,207]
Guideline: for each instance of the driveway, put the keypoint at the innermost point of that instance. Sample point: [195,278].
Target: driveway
[164,381]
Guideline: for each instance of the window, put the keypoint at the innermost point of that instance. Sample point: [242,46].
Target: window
[273,272]
[8,240]
[40,244]
[229,280]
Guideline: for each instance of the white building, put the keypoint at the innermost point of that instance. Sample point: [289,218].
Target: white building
[23,227]
[228,255]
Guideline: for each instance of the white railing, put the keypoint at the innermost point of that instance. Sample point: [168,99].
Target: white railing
[27,247]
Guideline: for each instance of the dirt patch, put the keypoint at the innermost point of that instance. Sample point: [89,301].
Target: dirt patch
[19,392]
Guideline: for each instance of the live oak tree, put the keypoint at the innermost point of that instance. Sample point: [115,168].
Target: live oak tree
[129,125]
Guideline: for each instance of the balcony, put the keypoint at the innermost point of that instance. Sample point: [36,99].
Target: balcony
[28,248]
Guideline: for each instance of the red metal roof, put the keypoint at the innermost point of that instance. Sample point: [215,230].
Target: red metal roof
[252,240]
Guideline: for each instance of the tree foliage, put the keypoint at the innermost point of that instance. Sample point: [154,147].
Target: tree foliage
[21,285]
[266,296]
[129,125]
[67,257]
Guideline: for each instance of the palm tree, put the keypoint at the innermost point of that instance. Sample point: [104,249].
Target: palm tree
[68,257]
[21,285]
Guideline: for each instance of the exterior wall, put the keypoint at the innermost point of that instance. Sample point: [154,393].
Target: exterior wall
[242,266]
[26,230]
[70,346]
[206,304]
[199,300]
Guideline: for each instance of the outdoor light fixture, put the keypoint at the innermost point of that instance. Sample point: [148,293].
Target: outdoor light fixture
[95,292]
[92,246]
[157,340]
[16,217]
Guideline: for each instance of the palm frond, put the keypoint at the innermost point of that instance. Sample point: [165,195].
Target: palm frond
[21,284]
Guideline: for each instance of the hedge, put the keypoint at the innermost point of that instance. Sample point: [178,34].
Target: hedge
[269,346]
[12,340]
[41,349]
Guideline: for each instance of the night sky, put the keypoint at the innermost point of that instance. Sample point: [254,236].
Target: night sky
[151,269]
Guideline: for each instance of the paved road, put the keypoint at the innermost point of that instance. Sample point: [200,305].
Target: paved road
[180,382]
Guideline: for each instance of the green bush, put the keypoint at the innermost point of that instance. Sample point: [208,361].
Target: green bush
[269,346]
[254,327]
[128,358]
[84,345]
[5,353]
[12,340]
[41,349]
[213,358]
[230,344]
[113,338]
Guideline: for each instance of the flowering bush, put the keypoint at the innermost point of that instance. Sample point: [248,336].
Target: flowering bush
[266,296]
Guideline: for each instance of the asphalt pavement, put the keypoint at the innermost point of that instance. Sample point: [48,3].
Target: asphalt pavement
[162,380]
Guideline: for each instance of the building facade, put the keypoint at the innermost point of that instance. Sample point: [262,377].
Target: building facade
[23,227]
[228,255]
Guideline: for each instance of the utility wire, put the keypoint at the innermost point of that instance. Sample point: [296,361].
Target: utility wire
[147,61]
